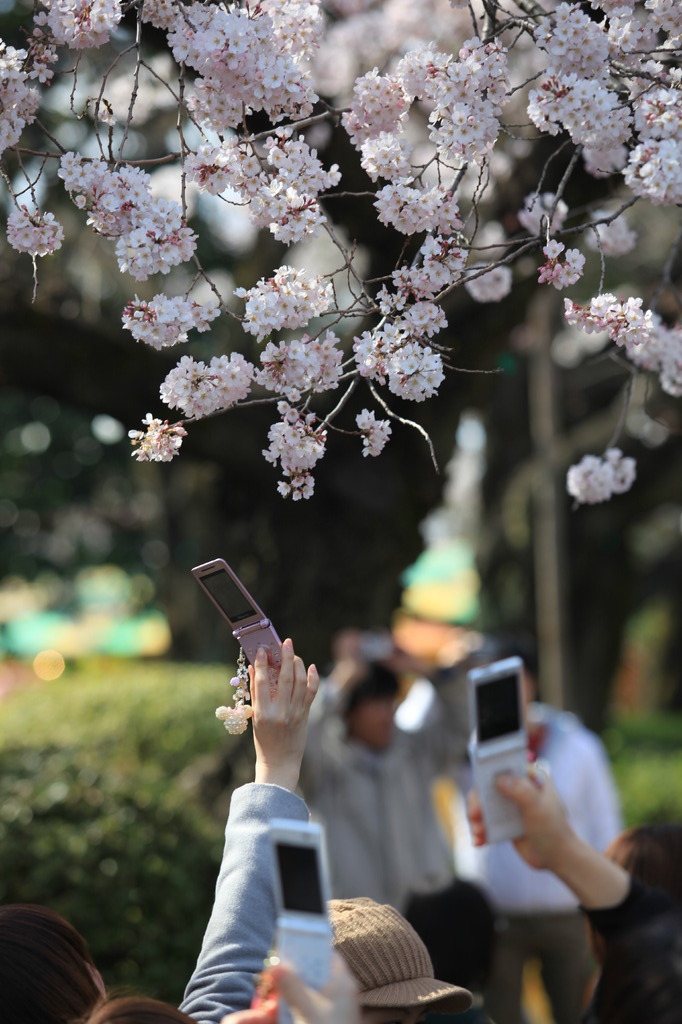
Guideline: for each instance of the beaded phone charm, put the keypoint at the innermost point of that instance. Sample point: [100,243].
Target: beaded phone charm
[237,718]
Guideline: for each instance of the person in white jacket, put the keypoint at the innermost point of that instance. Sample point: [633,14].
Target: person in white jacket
[537,915]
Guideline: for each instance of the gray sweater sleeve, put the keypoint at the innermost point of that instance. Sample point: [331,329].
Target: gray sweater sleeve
[242,923]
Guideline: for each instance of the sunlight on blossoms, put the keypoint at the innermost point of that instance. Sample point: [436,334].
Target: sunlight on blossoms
[371,175]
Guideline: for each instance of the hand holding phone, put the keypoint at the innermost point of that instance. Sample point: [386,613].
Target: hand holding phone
[499,742]
[304,935]
[249,624]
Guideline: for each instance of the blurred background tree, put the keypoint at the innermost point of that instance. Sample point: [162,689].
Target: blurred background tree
[73,382]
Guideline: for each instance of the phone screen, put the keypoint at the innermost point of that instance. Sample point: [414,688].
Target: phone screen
[497,707]
[225,591]
[300,878]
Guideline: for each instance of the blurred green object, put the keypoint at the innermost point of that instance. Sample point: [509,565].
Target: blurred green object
[443,584]
[78,636]
[646,752]
[97,817]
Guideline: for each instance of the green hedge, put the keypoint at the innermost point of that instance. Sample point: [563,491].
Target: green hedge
[96,822]
[646,752]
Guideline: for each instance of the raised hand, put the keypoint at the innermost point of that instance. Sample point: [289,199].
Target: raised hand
[335,1003]
[280,716]
[550,842]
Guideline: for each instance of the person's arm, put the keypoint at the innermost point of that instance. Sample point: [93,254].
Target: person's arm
[443,735]
[549,842]
[242,923]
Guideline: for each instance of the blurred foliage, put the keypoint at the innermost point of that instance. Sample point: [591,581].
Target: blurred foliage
[98,820]
[647,761]
[70,494]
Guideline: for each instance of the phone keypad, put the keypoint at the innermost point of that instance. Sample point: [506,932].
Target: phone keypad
[309,953]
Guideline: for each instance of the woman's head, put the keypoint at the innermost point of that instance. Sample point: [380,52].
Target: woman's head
[390,964]
[653,855]
[136,1010]
[47,975]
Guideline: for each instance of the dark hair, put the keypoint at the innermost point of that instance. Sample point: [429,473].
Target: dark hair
[457,926]
[378,682]
[652,854]
[47,975]
[641,980]
[136,1010]
[514,645]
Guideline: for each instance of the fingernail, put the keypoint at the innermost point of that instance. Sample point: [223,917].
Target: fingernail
[289,644]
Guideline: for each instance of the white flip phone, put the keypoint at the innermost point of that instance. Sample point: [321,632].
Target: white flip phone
[499,741]
[304,935]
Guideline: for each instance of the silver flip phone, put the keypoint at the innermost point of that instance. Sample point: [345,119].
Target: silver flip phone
[499,741]
[304,935]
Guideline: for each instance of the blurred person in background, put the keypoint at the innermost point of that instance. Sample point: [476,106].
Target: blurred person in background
[537,915]
[457,925]
[370,781]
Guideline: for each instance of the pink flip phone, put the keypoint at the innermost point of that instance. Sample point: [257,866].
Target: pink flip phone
[250,626]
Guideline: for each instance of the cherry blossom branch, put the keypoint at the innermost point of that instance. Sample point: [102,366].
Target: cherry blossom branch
[135,89]
[627,398]
[331,416]
[406,423]
[666,281]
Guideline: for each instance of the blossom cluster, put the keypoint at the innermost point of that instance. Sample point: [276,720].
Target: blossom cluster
[562,266]
[36,233]
[290,298]
[375,433]
[80,25]
[284,199]
[625,322]
[590,112]
[491,285]
[297,445]
[164,321]
[434,122]
[151,233]
[613,239]
[662,354]
[160,441]
[161,241]
[301,365]
[413,210]
[19,101]
[389,356]
[596,479]
[199,389]
[239,63]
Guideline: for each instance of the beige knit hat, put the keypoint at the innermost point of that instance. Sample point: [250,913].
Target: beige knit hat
[388,959]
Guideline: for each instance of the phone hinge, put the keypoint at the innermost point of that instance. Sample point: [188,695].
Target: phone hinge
[237,633]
